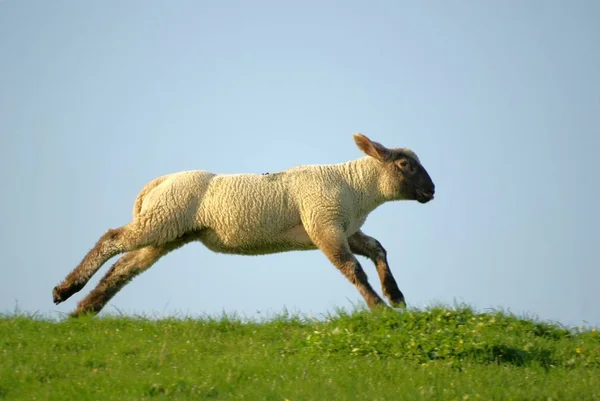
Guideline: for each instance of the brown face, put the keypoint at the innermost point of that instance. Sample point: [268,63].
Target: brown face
[417,183]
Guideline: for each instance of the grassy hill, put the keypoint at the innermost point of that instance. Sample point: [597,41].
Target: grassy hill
[439,353]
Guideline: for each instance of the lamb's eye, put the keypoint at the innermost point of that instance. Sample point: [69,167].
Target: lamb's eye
[403,163]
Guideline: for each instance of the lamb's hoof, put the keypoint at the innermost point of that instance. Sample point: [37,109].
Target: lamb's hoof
[398,303]
[76,314]
[61,293]
[396,298]
[57,297]
[84,310]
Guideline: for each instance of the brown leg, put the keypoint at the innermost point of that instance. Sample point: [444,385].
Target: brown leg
[364,245]
[123,239]
[334,244]
[122,272]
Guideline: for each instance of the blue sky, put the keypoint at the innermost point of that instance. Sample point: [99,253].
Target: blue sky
[500,100]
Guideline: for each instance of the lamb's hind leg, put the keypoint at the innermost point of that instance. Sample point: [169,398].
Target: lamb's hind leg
[122,272]
[130,237]
[364,245]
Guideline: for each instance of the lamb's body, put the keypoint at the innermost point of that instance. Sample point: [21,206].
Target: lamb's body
[303,208]
[258,214]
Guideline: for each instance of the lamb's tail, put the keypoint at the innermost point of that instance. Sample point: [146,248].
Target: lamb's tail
[137,206]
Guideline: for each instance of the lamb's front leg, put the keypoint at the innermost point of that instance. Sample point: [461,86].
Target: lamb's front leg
[364,245]
[333,243]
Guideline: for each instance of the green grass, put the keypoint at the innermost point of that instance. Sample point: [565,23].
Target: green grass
[439,353]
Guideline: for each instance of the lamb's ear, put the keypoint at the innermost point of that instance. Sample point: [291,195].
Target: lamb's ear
[372,148]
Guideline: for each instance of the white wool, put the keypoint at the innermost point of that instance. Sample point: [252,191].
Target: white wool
[260,214]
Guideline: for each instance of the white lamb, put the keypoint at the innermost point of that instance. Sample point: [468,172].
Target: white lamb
[306,207]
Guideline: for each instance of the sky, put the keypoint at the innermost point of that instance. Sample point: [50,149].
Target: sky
[499,99]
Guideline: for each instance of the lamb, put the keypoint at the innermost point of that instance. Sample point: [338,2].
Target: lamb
[303,208]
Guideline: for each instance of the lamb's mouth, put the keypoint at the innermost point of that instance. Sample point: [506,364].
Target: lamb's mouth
[424,196]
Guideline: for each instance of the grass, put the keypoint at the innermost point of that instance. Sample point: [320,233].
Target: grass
[438,353]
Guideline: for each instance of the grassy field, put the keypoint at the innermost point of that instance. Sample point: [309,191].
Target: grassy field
[439,353]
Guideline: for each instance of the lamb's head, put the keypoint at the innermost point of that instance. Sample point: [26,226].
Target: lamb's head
[403,174]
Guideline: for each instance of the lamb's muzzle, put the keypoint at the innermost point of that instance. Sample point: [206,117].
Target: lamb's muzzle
[426,190]
[424,196]
[303,208]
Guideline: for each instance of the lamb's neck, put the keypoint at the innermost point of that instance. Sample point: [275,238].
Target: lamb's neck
[364,178]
